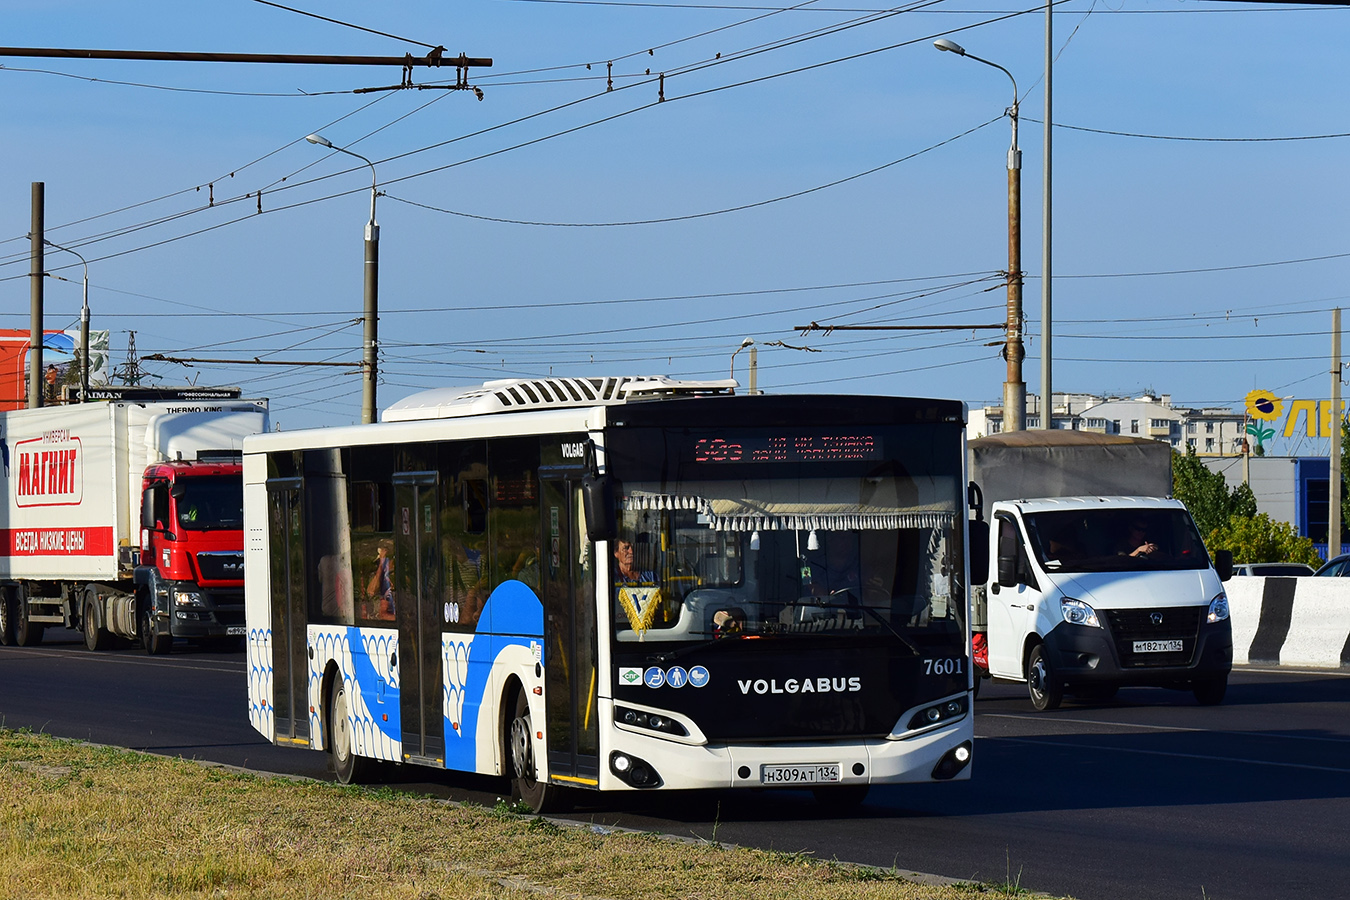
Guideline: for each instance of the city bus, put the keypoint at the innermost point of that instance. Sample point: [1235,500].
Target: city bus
[618,584]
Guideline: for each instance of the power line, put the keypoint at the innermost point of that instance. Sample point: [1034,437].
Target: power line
[1210,140]
[350,25]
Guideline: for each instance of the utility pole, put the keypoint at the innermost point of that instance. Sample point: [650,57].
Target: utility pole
[1334,426]
[1047,393]
[37,273]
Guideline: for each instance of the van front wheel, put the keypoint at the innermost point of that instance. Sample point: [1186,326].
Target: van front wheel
[1044,687]
[1210,691]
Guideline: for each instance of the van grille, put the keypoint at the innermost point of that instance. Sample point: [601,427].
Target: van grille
[1175,623]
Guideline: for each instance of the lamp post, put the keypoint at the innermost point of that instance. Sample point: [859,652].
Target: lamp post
[84,324]
[370,317]
[748,342]
[1014,388]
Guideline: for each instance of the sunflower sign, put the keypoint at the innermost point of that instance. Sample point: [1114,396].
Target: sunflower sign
[1264,409]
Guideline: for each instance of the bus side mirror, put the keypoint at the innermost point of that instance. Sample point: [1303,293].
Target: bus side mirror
[979,551]
[1223,564]
[597,500]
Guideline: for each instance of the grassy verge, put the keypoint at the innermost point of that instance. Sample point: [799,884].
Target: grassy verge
[89,822]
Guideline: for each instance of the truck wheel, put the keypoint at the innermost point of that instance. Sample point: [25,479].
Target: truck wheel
[95,638]
[154,644]
[6,619]
[1045,689]
[539,796]
[1210,691]
[26,633]
[350,768]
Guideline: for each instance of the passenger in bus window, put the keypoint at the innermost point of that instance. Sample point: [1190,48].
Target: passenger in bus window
[380,590]
[336,578]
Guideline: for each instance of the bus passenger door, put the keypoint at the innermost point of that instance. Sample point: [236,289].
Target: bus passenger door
[567,579]
[418,600]
[290,664]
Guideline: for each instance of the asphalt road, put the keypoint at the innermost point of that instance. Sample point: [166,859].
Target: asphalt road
[1147,796]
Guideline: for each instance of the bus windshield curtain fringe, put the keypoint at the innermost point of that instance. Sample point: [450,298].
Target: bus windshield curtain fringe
[751,515]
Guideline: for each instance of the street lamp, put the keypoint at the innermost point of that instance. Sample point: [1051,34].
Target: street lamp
[748,342]
[84,324]
[1014,389]
[370,318]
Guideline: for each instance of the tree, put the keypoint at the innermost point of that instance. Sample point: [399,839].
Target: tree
[1206,493]
[1258,538]
[1345,471]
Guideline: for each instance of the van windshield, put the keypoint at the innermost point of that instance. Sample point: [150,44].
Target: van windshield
[1116,539]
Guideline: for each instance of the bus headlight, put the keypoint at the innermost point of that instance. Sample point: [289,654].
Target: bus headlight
[1076,612]
[653,721]
[1218,609]
[939,712]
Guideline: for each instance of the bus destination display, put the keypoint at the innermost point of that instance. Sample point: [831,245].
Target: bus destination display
[790,448]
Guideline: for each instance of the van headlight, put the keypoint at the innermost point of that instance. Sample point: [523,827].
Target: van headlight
[1076,612]
[1218,608]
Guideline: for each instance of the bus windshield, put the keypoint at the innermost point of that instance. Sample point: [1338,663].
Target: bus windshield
[862,554]
[1114,539]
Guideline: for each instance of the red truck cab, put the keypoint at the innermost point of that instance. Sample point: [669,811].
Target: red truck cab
[190,577]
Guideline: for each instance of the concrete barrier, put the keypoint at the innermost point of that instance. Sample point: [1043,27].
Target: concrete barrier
[1290,621]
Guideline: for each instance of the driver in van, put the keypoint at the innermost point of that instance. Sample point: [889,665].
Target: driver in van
[1136,542]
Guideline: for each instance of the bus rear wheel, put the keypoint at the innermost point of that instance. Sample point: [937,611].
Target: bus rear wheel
[349,768]
[526,787]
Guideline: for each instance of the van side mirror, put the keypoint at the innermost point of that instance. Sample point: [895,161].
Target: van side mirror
[979,551]
[1223,564]
[1009,543]
[598,494]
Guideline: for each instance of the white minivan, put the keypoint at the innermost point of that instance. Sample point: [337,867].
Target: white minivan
[1089,594]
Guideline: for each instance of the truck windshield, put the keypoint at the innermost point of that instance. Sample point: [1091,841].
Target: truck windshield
[876,555]
[209,502]
[1116,539]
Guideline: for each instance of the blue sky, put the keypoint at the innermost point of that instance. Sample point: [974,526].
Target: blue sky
[1199,268]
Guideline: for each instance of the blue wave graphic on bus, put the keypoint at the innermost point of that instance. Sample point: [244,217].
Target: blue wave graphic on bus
[381,697]
[513,616]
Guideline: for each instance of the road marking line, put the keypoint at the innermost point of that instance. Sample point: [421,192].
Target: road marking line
[87,656]
[1203,756]
[1258,734]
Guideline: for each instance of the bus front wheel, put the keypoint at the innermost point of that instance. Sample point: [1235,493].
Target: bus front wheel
[526,787]
[349,768]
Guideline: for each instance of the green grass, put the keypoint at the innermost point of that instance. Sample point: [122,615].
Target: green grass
[78,821]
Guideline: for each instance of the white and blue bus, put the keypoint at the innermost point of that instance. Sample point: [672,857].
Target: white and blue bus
[618,584]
